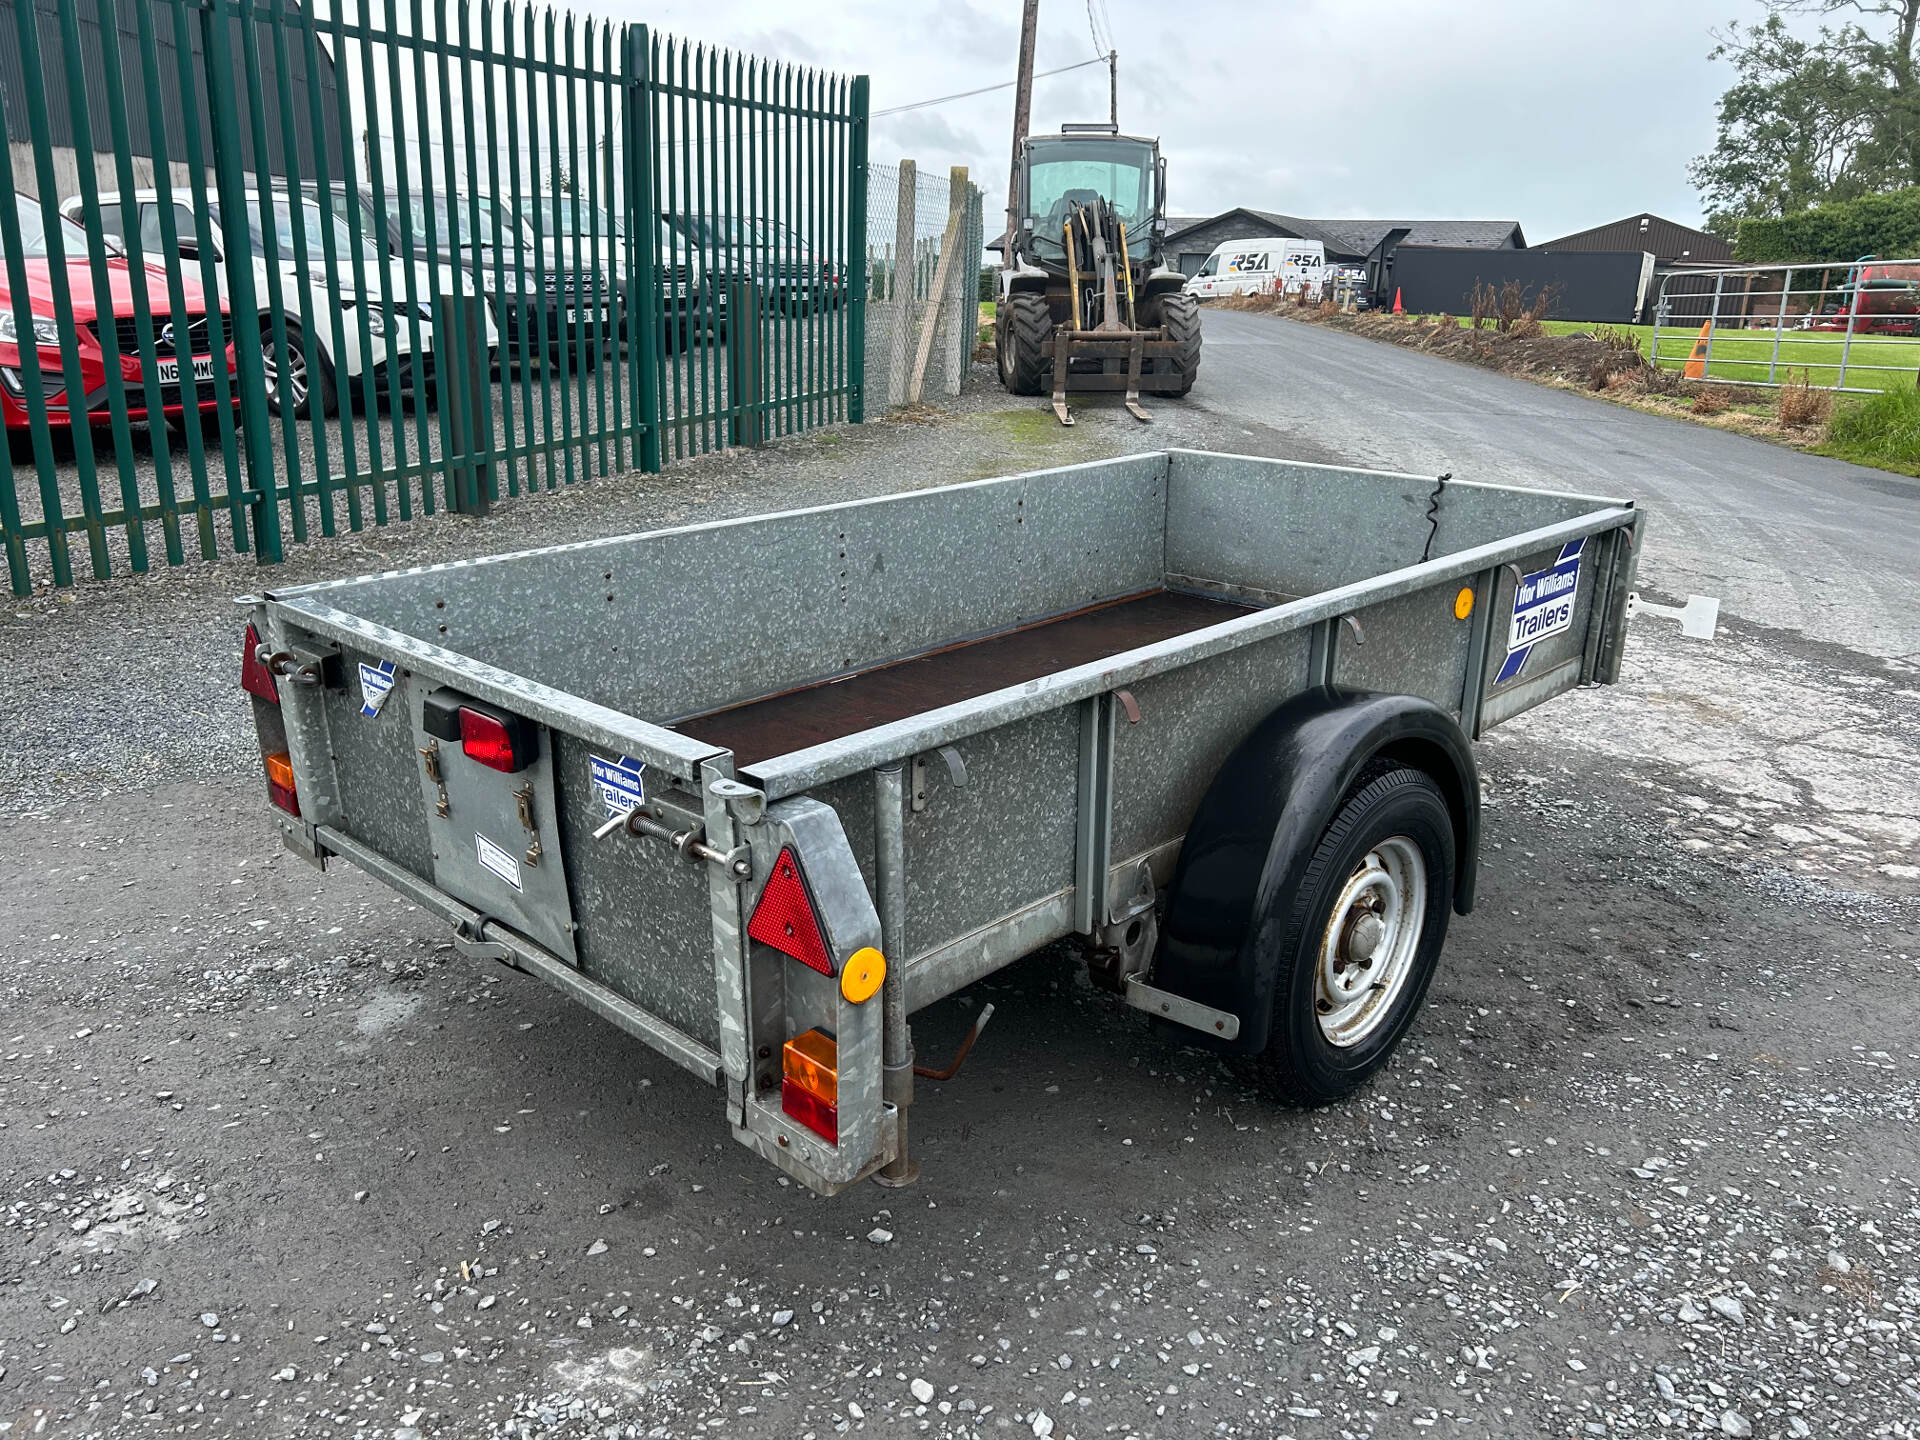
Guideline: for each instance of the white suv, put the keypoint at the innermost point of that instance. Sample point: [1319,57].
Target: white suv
[317,371]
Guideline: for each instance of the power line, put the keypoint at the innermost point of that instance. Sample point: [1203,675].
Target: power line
[1094,31]
[983,90]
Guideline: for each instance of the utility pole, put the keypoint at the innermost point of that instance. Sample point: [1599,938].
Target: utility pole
[1022,115]
[1113,88]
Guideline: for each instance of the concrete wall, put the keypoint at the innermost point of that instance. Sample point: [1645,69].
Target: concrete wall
[66,171]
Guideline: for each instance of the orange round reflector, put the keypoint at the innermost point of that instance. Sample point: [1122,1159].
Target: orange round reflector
[861,977]
[1463,603]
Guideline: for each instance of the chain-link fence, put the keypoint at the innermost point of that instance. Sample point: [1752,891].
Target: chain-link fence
[924,245]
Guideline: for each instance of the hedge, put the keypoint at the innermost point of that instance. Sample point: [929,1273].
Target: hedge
[1886,225]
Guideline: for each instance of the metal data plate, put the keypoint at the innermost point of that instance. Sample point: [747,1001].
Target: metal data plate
[484,852]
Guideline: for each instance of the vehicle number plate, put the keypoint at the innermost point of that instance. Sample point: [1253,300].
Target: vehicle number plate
[168,371]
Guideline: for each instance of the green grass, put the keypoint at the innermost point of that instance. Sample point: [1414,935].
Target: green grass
[1882,430]
[1029,426]
[1744,355]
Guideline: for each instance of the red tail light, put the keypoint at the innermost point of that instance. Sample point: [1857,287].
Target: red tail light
[811,1111]
[487,739]
[785,920]
[497,739]
[810,1083]
[255,678]
[280,787]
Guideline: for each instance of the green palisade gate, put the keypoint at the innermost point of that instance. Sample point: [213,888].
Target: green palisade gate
[311,268]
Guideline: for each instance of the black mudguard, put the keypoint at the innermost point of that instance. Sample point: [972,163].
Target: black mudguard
[1261,820]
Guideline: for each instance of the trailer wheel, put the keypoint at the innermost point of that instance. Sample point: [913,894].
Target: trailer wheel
[1363,935]
[1023,325]
[1180,313]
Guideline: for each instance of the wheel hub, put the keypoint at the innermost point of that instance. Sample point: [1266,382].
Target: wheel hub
[296,377]
[1364,933]
[1371,937]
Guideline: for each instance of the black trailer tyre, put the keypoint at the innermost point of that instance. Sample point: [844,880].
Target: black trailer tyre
[1362,936]
[1180,313]
[1024,325]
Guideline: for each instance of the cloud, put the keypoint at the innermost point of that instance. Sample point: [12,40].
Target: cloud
[1556,113]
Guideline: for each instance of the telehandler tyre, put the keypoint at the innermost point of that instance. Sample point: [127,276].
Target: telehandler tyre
[1181,315]
[1024,326]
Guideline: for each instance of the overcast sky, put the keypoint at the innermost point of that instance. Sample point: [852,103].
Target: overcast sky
[1557,114]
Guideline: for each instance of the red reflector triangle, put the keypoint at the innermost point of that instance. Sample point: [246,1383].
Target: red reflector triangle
[255,678]
[785,920]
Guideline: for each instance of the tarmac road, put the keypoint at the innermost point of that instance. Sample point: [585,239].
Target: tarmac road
[274,1162]
[1797,542]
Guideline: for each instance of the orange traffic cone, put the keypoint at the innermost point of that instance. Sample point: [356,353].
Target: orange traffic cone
[1396,301]
[1697,362]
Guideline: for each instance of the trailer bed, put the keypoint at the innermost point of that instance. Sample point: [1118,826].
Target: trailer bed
[949,673]
[946,727]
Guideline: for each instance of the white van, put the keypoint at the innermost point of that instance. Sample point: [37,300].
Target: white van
[1251,267]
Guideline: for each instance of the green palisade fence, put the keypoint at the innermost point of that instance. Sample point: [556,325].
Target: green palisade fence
[277,270]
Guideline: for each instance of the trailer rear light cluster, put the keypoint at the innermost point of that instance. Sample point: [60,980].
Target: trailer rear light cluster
[280,787]
[485,738]
[255,678]
[488,736]
[810,1083]
[784,917]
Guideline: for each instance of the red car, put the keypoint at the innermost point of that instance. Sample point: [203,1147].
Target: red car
[178,340]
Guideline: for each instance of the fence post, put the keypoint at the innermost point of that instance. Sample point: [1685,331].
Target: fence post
[960,340]
[1659,314]
[460,370]
[644,225]
[747,308]
[976,244]
[856,278]
[230,182]
[906,297]
[936,298]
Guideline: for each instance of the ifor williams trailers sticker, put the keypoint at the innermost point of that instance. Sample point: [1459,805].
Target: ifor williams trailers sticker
[619,783]
[1542,608]
[376,683]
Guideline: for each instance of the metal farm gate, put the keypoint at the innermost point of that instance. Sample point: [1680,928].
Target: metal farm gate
[1853,328]
[275,269]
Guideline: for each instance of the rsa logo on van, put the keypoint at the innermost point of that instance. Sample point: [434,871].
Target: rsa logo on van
[1251,261]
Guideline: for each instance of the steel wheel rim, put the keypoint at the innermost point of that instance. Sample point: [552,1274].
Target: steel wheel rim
[296,373]
[1371,937]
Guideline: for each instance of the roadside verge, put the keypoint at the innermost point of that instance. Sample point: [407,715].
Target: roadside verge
[1608,363]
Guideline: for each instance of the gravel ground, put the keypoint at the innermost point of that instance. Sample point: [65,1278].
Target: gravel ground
[273,1161]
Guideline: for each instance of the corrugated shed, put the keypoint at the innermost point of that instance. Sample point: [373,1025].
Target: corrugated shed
[1666,240]
[66,112]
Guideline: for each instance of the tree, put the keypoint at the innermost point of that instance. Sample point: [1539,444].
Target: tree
[1808,121]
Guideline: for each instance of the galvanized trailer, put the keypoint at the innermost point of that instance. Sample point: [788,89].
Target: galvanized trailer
[757,791]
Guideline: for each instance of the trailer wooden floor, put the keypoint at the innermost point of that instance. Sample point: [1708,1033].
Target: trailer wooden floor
[815,714]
